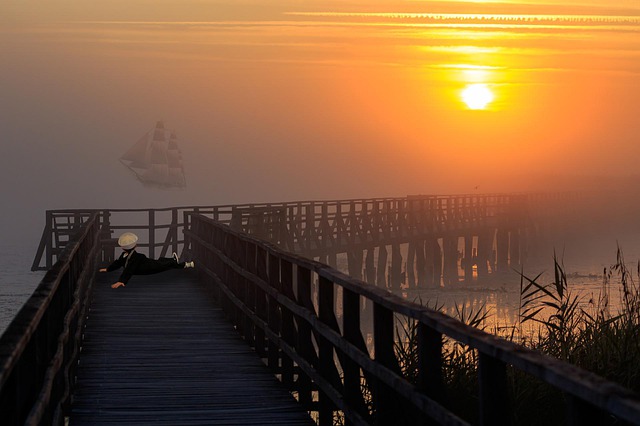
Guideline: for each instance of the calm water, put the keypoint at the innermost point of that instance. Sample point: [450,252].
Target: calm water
[500,298]
[499,295]
[17,282]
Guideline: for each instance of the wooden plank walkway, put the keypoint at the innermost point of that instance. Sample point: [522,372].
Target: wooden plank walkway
[160,352]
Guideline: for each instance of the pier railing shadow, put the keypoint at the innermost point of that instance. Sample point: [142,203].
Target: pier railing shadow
[309,322]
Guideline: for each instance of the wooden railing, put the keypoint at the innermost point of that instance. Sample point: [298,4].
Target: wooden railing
[41,345]
[157,228]
[306,227]
[306,319]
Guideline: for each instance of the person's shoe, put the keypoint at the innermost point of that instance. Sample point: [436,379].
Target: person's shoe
[189,264]
[175,257]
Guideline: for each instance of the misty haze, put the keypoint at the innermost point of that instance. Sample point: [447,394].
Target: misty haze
[144,105]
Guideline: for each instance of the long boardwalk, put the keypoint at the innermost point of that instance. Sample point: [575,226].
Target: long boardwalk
[159,352]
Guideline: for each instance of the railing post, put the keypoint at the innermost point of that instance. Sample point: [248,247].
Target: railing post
[325,349]
[430,377]
[238,285]
[274,313]
[288,331]
[49,246]
[580,412]
[236,219]
[108,250]
[383,340]
[381,276]
[250,265]
[186,247]
[223,268]
[152,233]
[310,225]
[494,401]
[44,248]
[304,343]
[174,229]
[261,300]
[352,333]
[502,248]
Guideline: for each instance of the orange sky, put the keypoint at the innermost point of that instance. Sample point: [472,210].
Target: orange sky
[290,100]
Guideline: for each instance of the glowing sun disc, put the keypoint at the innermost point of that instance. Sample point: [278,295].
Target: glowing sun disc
[477,96]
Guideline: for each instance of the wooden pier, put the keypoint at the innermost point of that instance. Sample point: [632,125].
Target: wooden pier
[159,352]
[417,241]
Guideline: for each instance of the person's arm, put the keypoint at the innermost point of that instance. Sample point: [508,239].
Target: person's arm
[129,270]
[117,264]
[124,277]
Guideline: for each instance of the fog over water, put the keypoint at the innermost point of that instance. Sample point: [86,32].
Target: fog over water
[282,101]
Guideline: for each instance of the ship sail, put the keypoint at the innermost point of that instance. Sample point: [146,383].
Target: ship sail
[155,159]
[174,159]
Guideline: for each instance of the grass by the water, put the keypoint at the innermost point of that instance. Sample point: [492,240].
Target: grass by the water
[556,321]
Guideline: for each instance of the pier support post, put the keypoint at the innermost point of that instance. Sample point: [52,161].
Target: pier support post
[450,260]
[420,264]
[514,248]
[411,258]
[354,263]
[370,267]
[485,248]
[467,260]
[502,250]
[396,267]
[435,262]
[381,279]
[332,259]
[422,255]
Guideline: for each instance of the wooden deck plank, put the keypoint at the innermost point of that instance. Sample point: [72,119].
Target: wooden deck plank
[159,352]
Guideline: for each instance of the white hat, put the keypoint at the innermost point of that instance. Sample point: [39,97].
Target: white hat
[128,240]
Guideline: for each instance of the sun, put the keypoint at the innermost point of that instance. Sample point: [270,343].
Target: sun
[477,96]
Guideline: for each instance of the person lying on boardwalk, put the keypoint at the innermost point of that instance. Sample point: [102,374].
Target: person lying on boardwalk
[135,263]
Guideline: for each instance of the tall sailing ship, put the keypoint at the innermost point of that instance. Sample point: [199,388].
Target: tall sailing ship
[155,159]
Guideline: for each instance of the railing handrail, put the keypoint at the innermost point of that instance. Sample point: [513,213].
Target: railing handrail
[236,259]
[307,202]
[40,345]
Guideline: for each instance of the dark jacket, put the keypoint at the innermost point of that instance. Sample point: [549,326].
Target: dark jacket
[135,263]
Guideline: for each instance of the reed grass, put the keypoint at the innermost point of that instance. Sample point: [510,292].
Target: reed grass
[557,322]
[460,362]
[588,334]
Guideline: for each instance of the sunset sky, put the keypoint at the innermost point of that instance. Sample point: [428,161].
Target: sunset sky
[277,101]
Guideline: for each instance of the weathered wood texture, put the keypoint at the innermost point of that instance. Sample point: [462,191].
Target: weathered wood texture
[325,306]
[159,352]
